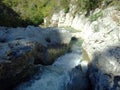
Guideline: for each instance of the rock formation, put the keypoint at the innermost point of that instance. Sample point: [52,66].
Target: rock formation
[23,48]
[101,46]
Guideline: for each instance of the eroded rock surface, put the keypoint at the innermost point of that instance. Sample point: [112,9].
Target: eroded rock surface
[101,46]
[103,51]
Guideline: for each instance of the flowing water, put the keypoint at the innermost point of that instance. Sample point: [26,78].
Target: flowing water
[55,76]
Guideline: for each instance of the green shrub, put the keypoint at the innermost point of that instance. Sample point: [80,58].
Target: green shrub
[87,5]
[65,5]
[115,3]
[26,11]
[95,16]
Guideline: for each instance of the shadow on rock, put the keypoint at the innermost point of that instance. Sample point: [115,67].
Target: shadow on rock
[78,80]
[104,69]
[24,48]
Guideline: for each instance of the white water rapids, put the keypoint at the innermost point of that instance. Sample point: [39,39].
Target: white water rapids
[56,76]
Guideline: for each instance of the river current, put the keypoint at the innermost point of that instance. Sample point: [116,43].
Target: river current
[55,76]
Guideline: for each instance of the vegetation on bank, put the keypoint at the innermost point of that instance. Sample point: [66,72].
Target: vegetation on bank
[94,17]
[23,12]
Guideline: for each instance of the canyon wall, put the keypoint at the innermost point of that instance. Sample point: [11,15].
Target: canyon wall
[100,32]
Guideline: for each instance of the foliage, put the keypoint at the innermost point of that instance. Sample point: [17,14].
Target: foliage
[24,12]
[95,16]
[65,5]
[87,5]
[91,5]
[115,3]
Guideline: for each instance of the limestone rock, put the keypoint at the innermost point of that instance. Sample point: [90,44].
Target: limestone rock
[103,50]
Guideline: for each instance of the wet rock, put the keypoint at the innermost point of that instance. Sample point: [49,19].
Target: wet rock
[78,80]
[2,36]
[104,70]
[18,61]
[15,70]
[56,76]
[23,48]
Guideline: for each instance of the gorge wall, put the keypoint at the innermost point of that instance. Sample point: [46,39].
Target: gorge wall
[101,46]
[22,49]
[100,29]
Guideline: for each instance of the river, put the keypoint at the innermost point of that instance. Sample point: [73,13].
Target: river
[55,76]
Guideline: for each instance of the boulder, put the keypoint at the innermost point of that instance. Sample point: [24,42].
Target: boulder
[78,80]
[21,49]
[17,61]
[48,36]
[60,36]
[104,69]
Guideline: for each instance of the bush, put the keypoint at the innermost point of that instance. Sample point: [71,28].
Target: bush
[24,12]
[65,5]
[95,16]
[87,5]
[115,3]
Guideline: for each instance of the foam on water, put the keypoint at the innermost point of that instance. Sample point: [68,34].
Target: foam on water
[52,78]
[68,61]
